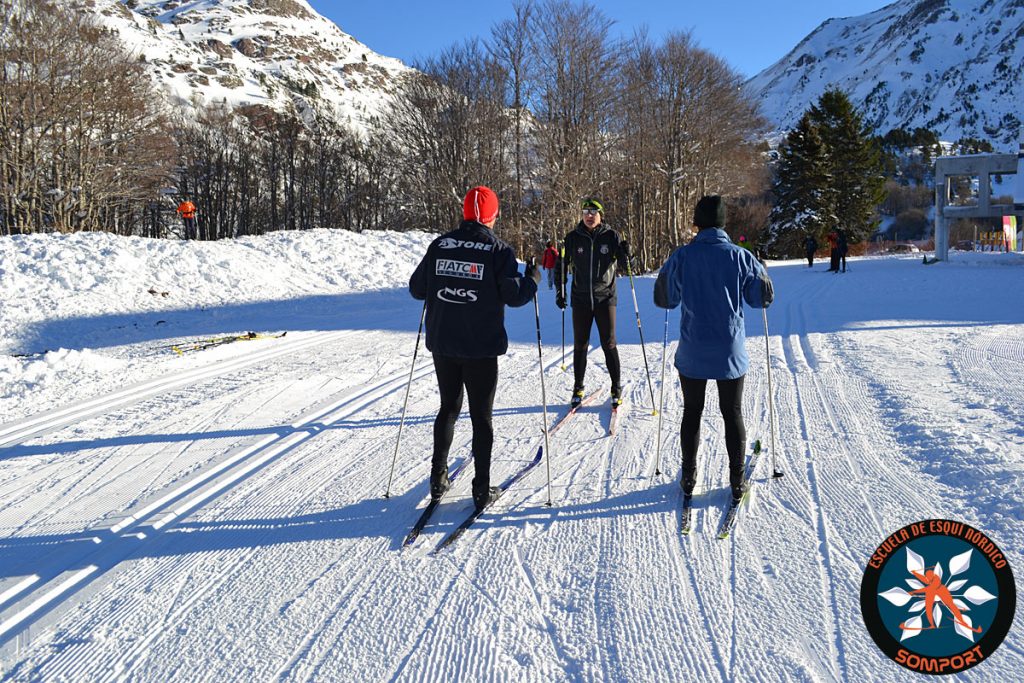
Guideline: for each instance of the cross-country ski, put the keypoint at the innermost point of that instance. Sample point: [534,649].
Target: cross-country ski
[505,485]
[432,505]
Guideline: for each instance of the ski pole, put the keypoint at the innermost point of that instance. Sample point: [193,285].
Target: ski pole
[405,404]
[776,472]
[543,394]
[661,400]
[563,340]
[562,288]
[639,328]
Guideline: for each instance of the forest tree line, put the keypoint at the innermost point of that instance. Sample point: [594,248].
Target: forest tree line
[549,108]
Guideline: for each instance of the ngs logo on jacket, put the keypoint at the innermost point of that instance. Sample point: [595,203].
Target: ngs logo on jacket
[457,295]
[462,269]
[449,243]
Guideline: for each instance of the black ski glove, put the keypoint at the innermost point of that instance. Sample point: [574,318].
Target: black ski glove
[532,272]
[624,247]
[560,300]
[767,292]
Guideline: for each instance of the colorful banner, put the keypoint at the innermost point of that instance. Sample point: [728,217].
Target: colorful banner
[1010,232]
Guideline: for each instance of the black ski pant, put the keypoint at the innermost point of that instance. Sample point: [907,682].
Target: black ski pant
[583,319]
[730,402]
[810,259]
[479,378]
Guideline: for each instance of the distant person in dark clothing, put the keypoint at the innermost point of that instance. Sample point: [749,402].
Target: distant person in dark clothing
[810,246]
[833,252]
[841,249]
[467,277]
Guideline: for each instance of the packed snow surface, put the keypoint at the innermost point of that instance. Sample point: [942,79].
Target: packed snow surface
[219,513]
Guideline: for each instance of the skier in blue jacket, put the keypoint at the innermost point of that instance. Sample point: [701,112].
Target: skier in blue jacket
[711,278]
[467,277]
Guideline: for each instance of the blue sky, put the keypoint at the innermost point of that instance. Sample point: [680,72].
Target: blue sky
[750,35]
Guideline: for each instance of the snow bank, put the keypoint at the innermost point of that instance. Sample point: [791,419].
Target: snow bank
[53,277]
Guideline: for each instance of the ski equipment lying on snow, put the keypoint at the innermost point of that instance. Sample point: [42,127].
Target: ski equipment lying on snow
[729,523]
[522,472]
[202,344]
[572,411]
[431,506]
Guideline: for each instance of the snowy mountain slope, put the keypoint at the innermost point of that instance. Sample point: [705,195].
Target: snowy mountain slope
[955,66]
[277,53]
[233,528]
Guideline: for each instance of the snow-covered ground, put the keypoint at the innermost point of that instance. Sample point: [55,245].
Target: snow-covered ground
[219,514]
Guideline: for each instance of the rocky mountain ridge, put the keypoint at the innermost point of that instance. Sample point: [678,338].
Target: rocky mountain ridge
[953,66]
[251,54]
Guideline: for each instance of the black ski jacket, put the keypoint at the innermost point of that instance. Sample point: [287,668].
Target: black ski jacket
[592,258]
[467,277]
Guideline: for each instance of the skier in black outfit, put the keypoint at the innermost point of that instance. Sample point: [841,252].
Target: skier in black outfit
[466,278]
[841,248]
[810,246]
[591,253]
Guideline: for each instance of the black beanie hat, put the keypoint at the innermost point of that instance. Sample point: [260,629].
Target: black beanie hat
[709,212]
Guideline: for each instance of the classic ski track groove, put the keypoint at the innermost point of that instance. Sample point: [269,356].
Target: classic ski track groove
[18,431]
[825,561]
[113,466]
[195,488]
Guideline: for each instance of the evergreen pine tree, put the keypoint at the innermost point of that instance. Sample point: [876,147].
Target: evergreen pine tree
[855,164]
[805,199]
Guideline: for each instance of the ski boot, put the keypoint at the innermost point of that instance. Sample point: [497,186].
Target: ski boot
[439,484]
[616,397]
[482,499]
[687,484]
[577,398]
[737,493]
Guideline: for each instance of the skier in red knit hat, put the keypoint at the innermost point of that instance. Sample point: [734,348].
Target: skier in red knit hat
[467,277]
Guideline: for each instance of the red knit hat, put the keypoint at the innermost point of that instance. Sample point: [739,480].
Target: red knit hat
[480,205]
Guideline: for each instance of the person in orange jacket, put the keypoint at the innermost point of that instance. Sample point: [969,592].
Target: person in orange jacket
[187,211]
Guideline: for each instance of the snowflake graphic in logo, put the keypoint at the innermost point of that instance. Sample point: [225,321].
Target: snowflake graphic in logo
[936,599]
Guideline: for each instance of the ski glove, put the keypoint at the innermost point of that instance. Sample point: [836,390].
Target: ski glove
[560,300]
[767,292]
[532,272]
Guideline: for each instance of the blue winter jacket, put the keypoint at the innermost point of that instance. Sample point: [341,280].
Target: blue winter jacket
[467,277]
[711,278]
